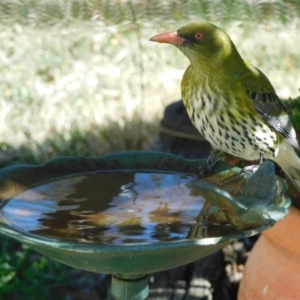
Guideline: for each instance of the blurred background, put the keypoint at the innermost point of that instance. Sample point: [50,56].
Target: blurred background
[82,78]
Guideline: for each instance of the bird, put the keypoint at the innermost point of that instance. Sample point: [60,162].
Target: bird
[231,102]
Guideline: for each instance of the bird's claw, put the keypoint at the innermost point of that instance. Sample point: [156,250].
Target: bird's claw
[208,166]
[249,170]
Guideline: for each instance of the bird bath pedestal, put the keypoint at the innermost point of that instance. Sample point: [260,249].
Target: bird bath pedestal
[135,213]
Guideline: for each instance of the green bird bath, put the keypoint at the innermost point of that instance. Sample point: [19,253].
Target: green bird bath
[135,213]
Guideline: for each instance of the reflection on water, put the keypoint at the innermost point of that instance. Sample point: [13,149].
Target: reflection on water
[108,208]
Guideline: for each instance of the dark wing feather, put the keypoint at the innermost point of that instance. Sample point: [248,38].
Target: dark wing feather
[270,108]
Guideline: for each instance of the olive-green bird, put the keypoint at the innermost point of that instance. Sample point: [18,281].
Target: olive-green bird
[231,102]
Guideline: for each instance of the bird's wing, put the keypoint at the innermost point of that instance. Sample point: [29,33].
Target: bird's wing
[269,106]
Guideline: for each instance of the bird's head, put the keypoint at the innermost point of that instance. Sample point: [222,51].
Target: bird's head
[202,43]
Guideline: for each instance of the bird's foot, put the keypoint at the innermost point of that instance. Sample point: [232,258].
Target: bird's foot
[249,170]
[210,163]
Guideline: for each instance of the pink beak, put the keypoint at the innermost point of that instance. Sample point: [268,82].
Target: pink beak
[168,38]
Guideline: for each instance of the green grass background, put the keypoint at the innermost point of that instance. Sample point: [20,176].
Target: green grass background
[81,78]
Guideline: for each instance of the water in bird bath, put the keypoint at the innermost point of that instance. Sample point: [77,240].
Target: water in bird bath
[109,208]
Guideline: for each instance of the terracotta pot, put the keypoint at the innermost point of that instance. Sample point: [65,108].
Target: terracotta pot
[272,270]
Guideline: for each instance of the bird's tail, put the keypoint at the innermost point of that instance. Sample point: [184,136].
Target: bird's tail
[289,162]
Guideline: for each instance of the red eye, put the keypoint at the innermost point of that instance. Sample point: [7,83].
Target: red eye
[199,36]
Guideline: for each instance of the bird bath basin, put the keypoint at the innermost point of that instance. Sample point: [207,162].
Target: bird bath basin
[134,213]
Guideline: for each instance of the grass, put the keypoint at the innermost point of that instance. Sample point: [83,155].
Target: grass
[81,78]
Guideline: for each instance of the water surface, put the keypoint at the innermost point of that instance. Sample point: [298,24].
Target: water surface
[109,208]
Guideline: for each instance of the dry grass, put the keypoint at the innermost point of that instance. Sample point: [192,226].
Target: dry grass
[82,84]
